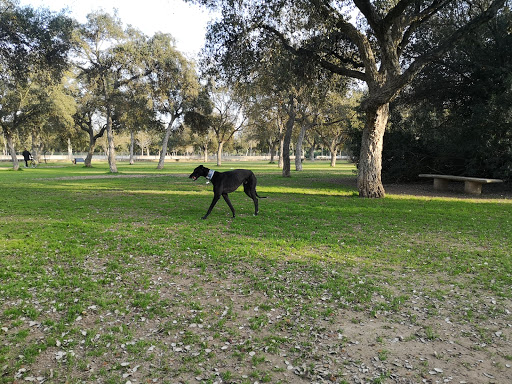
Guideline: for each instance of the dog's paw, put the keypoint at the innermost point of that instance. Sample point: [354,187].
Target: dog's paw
[204,217]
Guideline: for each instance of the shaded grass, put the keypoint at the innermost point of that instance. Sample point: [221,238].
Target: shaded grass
[76,241]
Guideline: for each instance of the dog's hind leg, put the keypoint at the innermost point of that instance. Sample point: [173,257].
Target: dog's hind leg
[251,192]
[225,196]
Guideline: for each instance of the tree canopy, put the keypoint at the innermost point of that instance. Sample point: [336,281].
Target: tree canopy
[388,44]
[34,46]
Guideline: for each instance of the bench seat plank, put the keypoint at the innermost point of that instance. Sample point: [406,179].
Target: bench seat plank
[472,185]
[462,178]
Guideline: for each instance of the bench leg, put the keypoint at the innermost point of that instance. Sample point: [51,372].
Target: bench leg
[473,187]
[441,184]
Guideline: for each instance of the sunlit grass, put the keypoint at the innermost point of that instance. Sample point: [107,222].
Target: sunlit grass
[78,242]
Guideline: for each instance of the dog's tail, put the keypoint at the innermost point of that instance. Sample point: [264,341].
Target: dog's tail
[260,197]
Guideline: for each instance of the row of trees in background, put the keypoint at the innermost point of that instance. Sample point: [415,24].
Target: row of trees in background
[277,75]
[110,82]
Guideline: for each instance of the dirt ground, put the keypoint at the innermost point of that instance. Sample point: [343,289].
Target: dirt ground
[459,337]
[456,190]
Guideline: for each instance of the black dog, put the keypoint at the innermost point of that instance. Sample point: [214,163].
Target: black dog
[227,182]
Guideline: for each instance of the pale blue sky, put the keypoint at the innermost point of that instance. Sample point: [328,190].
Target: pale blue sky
[184,21]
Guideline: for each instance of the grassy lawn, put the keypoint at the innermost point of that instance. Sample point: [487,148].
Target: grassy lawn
[116,279]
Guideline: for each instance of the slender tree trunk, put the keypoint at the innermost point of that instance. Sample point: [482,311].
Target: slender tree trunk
[4,150]
[90,152]
[205,148]
[165,141]
[12,150]
[132,147]
[280,164]
[70,150]
[272,151]
[111,145]
[369,182]
[298,147]
[37,145]
[286,147]
[219,153]
[288,137]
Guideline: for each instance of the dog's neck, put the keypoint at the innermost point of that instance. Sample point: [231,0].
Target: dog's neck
[210,174]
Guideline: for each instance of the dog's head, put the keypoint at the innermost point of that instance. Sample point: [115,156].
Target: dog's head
[198,172]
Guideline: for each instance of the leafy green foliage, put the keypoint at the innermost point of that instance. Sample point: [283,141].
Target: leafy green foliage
[456,118]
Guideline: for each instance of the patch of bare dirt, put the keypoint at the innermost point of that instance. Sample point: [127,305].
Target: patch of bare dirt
[426,188]
[211,327]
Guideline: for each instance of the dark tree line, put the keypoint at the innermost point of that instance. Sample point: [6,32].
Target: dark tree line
[456,118]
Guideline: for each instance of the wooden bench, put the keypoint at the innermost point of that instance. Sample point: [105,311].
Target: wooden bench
[472,185]
[78,160]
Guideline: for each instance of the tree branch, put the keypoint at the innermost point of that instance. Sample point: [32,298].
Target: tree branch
[304,52]
[442,48]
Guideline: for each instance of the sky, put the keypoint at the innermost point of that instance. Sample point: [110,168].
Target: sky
[184,21]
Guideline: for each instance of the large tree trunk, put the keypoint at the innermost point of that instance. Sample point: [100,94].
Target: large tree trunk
[111,145]
[219,153]
[4,150]
[286,148]
[88,158]
[369,182]
[12,150]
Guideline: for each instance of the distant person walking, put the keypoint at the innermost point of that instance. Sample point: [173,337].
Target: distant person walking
[26,156]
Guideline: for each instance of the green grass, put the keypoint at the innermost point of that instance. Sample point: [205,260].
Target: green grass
[101,262]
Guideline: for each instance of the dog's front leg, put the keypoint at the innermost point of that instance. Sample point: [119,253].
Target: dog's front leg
[225,196]
[214,201]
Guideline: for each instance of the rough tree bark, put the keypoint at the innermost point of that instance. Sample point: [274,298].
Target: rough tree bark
[369,181]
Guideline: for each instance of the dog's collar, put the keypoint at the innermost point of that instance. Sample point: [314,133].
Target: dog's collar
[210,174]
